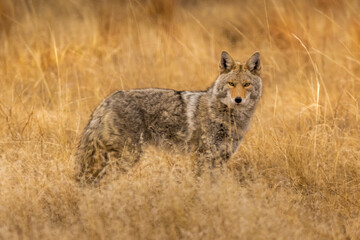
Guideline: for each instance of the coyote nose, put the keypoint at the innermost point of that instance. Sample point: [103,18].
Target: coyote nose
[238,99]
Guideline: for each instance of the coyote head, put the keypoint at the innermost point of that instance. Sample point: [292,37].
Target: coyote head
[238,85]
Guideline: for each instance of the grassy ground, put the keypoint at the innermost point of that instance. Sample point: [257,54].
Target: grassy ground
[296,175]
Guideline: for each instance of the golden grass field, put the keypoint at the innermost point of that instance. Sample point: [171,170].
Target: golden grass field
[295,176]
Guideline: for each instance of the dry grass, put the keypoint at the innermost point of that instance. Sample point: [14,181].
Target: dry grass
[296,176]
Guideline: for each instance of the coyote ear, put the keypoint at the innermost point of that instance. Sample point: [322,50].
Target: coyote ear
[226,62]
[254,64]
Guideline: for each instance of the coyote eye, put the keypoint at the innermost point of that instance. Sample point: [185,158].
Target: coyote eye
[247,84]
[231,84]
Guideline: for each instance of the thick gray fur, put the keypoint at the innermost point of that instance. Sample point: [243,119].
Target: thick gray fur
[209,123]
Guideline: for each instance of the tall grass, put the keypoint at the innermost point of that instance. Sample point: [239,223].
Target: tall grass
[296,175]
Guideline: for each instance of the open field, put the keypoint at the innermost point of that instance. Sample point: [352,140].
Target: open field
[295,176]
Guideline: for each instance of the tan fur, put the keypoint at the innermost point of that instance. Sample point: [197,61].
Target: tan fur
[238,91]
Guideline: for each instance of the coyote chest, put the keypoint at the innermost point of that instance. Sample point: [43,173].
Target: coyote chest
[211,123]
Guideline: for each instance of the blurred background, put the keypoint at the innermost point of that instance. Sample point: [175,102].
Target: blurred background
[93,47]
[296,174]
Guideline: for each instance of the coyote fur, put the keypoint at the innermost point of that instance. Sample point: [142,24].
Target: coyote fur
[209,123]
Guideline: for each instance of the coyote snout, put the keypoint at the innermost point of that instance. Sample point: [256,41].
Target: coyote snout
[238,93]
[211,123]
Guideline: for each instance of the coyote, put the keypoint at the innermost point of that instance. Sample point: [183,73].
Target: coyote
[209,123]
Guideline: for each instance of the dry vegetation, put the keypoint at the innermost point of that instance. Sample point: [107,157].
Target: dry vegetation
[296,175]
